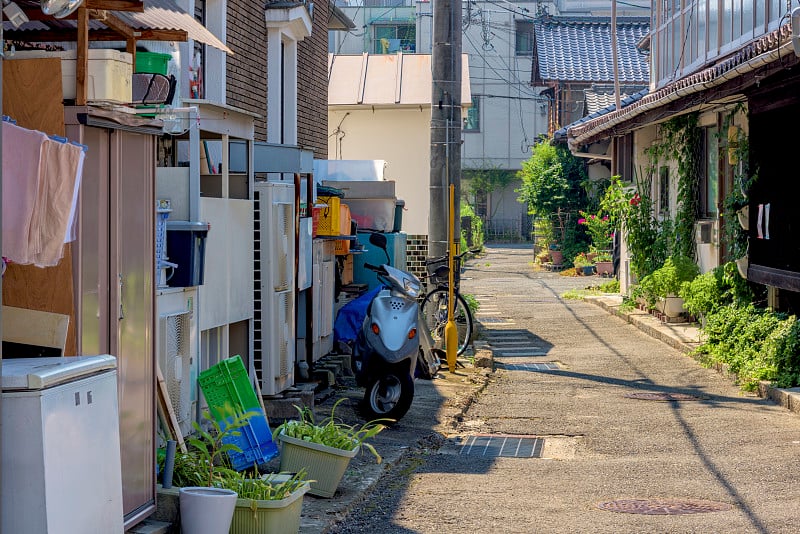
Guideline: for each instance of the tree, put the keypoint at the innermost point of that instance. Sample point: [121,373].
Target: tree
[552,180]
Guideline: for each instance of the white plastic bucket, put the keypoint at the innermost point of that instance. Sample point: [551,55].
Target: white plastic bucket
[206,510]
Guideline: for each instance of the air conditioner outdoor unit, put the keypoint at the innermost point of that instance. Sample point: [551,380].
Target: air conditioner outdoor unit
[274,317]
[706,232]
[174,359]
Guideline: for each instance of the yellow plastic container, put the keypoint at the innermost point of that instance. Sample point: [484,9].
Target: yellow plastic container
[329,216]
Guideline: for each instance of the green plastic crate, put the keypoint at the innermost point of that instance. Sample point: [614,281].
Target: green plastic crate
[152,62]
[229,393]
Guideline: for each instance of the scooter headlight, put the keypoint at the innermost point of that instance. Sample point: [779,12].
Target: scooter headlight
[411,287]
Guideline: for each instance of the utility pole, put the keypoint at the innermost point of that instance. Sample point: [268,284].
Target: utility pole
[445,124]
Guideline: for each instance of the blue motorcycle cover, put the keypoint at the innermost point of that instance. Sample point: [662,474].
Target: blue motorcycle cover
[351,316]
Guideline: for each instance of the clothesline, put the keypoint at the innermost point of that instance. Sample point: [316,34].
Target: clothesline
[41,181]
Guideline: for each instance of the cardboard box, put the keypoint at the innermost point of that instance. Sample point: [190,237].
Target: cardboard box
[347,270]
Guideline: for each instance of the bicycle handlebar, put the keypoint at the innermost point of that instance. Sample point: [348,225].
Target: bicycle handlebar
[457,256]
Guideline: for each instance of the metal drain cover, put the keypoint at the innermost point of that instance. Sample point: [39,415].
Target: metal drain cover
[663,506]
[502,445]
[543,366]
[654,396]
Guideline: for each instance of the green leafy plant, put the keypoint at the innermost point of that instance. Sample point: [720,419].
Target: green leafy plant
[599,229]
[603,256]
[270,487]
[581,260]
[206,461]
[472,302]
[332,432]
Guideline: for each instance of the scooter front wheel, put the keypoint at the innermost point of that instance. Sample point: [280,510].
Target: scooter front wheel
[388,396]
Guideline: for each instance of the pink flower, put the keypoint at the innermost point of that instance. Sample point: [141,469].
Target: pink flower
[581,221]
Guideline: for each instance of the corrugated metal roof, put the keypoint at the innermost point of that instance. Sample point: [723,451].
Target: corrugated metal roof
[572,49]
[602,96]
[167,15]
[386,80]
[157,15]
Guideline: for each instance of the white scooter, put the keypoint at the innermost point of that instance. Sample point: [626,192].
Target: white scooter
[386,354]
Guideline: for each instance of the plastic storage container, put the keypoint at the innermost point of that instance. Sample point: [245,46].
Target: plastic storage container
[186,246]
[373,213]
[395,246]
[228,392]
[108,77]
[329,216]
[399,206]
[152,62]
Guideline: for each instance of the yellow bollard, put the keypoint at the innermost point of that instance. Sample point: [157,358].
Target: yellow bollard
[450,331]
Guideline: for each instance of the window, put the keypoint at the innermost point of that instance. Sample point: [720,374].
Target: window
[686,33]
[472,122]
[524,38]
[710,180]
[663,191]
[393,38]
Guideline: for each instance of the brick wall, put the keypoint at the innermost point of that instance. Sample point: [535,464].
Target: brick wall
[416,253]
[312,85]
[247,67]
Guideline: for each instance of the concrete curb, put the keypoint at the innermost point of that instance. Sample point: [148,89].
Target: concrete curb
[686,339]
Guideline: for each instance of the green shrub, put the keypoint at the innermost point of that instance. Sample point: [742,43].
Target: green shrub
[702,295]
[756,344]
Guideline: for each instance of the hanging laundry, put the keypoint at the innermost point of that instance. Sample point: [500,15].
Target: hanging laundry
[21,161]
[60,164]
[41,181]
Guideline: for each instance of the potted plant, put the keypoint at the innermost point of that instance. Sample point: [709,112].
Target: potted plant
[324,450]
[604,264]
[267,504]
[665,283]
[556,254]
[583,265]
[261,503]
[206,505]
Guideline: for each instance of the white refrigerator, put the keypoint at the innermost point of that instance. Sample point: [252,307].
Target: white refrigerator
[61,470]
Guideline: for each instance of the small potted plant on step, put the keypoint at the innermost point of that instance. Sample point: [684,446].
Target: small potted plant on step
[324,450]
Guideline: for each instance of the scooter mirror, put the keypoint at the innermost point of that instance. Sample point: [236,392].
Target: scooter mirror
[378,239]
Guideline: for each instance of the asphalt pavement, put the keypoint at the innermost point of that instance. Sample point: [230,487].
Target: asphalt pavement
[588,420]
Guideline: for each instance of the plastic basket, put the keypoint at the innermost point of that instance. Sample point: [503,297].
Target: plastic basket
[229,393]
[434,264]
[329,216]
[152,62]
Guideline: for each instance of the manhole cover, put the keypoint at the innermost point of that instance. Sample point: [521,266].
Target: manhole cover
[544,366]
[663,506]
[653,396]
[502,445]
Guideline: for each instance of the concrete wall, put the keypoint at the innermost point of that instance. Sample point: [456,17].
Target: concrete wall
[401,137]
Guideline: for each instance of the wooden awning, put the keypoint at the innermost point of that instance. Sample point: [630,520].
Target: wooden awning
[113,20]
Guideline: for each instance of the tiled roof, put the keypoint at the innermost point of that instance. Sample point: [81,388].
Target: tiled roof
[762,51]
[579,49]
[625,101]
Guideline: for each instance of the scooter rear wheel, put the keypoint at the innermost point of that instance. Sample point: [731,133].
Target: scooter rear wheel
[388,397]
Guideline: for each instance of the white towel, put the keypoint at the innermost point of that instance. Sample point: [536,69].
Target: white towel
[59,170]
[22,149]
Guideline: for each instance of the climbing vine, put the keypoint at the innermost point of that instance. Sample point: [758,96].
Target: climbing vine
[680,141]
[735,238]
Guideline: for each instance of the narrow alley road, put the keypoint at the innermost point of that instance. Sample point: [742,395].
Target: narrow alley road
[589,425]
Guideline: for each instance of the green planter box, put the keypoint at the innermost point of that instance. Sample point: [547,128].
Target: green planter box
[324,465]
[273,517]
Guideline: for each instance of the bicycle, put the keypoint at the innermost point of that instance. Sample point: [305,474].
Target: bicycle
[434,305]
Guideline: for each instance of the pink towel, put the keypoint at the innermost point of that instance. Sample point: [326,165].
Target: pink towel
[59,171]
[22,150]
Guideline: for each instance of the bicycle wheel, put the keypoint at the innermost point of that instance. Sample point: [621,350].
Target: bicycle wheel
[434,310]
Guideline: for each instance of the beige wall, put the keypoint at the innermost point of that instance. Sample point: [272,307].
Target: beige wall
[401,137]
